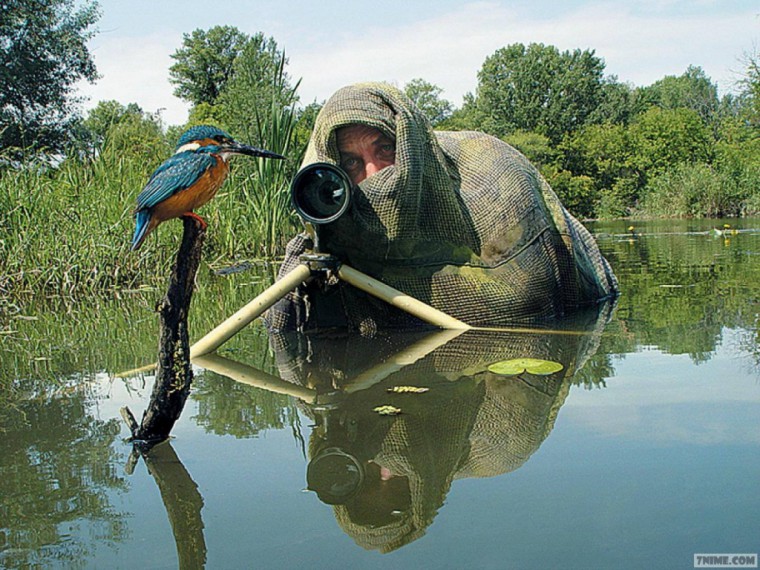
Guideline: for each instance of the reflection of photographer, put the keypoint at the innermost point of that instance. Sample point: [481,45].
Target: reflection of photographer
[386,477]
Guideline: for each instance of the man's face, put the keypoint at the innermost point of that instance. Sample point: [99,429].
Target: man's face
[364,150]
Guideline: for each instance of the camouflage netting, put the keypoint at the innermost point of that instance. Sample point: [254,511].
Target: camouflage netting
[471,422]
[461,221]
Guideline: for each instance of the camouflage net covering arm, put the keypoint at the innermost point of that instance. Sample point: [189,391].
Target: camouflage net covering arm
[461,221]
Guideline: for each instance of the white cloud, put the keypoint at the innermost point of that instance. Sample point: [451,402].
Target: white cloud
[136,70]
[639,44]
[660,397]
[449,49]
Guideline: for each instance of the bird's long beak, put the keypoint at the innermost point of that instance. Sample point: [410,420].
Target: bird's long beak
[238,148]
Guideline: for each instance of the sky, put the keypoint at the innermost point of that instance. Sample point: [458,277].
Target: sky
[445,42]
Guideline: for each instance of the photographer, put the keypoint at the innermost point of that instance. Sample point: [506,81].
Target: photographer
[459,220]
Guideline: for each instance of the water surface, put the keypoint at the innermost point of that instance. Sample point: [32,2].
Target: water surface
[642,451]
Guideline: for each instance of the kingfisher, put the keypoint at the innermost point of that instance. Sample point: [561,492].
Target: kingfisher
[188,179]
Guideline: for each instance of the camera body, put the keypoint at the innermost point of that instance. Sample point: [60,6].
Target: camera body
[321,192]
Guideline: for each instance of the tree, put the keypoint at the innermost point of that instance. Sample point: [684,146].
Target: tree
[205,63]
[258,81]
[663,138]
[693,90]
[428,98]
[469,117]
[43,53]
[749,86]
[602,152]
[93,131]
[537,88]
[616,104]
[537,148]
[305,120]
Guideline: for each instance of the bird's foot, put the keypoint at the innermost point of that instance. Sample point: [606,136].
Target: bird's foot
[198,220]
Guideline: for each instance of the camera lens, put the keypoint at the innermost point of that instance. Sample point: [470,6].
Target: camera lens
[335,475]
[321,192]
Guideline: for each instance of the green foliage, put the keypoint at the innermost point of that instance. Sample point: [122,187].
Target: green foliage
[619,200]
[538,88]
[205,114]
[120,129]
[43,54]
[205,63]
[65,231]
[693,190]
[261,200]
[537,148]
[305,119]
[664,138]
[258,80]
[603,152]
[469,117]
[692,90]
[577,193]
[616,105]
[138,137]
[749,86]
[428,98]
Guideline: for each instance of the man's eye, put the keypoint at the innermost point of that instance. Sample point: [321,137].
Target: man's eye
[349,163]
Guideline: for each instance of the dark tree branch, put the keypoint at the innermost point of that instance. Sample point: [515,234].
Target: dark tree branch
[174,375]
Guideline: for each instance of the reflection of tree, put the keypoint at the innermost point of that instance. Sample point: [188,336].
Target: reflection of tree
[56,473]
[228,408]
[679,291]
[47,343]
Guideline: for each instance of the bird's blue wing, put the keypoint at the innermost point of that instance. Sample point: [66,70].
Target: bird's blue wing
[175,173]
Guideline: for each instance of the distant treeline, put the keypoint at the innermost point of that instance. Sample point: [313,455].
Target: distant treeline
[68,182]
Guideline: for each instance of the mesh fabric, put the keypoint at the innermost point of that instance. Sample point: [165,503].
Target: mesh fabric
[461,221]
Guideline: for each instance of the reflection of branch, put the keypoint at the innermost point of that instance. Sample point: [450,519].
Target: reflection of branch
[245,374]
[183,503]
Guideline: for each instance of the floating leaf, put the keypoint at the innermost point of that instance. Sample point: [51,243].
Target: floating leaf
[519,365]
[387,410]
[408,389]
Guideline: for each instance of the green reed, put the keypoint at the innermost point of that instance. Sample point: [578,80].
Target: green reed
[65,231]
[257,217]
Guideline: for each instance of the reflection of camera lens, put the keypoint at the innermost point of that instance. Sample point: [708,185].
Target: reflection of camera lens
[335,475]
[321,192]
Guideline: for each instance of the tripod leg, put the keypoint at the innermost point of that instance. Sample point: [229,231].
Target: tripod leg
[398,299]
[226,330]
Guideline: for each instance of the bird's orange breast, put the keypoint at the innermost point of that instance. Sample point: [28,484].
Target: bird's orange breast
[194,196]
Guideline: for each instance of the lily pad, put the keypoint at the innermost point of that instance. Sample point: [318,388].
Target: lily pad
[519,365]
[387,410]
[408,389]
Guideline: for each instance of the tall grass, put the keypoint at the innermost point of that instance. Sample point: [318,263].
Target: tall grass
[66,231]
[257,218]
[700,190]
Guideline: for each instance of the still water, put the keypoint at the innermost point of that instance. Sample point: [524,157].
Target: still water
[643,451]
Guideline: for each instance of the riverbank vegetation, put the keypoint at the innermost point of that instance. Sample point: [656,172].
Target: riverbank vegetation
[674,148]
